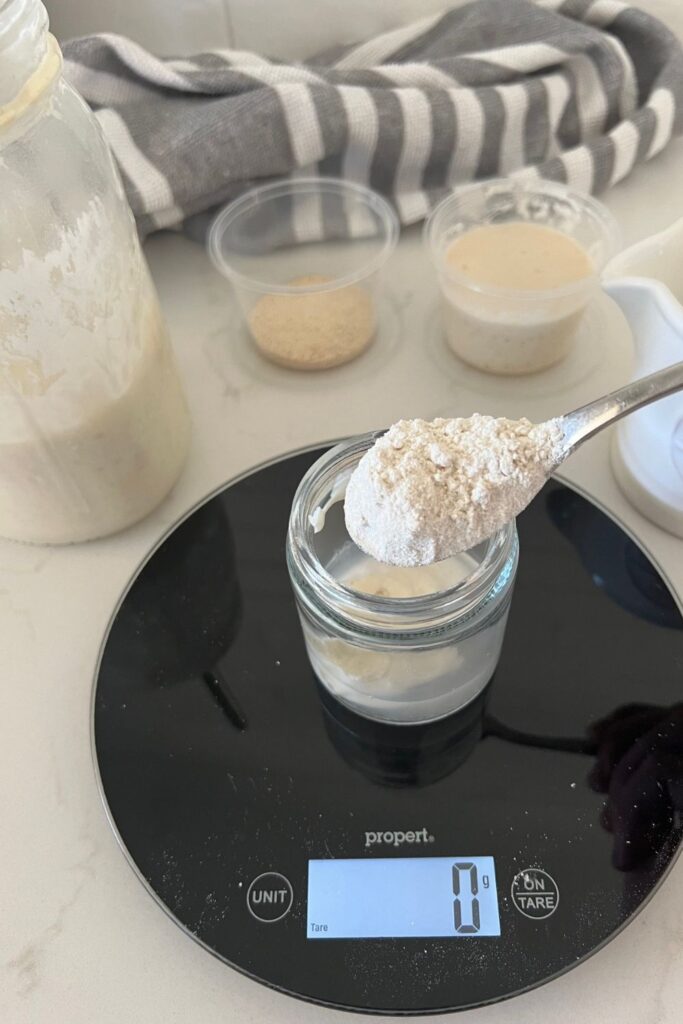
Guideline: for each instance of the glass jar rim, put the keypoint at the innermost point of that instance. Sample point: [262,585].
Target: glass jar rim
[384,212]
[596,210]
[412,615]
[30,59]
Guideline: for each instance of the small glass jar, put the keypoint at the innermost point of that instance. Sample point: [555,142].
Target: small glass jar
[404,660]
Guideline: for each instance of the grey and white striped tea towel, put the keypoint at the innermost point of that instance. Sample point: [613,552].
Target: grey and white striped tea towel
[573,90]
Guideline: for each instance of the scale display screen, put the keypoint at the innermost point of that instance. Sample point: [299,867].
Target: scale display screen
[420,897]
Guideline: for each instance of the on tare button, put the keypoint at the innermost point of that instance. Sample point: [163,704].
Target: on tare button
[269,897]
[535,893]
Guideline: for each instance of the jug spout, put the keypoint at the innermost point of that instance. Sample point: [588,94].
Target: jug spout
[655,319]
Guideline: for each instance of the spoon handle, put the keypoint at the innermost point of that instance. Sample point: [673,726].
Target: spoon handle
[585,421]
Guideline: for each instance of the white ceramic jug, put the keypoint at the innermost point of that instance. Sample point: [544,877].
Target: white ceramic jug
[647,451]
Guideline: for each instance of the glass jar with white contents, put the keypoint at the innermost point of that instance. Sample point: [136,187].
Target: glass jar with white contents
[401,645]
[94,427]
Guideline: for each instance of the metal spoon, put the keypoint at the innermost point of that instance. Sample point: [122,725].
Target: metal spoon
[384,524]
[587,420]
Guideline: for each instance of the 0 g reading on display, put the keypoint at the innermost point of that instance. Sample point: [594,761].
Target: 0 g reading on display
[419,897]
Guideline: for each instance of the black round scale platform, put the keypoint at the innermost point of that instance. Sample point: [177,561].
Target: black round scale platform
[393,869]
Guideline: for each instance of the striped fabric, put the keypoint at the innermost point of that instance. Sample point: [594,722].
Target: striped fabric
[572,90]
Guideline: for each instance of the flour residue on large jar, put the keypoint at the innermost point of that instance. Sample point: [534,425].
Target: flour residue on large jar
[95,427]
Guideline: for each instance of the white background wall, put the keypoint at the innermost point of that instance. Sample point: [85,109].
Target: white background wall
[278,28]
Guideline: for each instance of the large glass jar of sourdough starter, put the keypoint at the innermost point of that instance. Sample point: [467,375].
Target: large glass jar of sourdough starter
[93,423]
[396,645]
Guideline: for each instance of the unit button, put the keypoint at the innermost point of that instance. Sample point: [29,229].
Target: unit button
[535,893]
[269,897]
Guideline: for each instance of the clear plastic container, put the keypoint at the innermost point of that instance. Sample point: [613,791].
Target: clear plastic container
[305,258]
[517,330]
[94,427]
[404,660]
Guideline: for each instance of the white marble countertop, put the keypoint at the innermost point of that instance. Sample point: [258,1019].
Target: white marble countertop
[80,940]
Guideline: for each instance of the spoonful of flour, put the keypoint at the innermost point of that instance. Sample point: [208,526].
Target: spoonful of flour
[429,489]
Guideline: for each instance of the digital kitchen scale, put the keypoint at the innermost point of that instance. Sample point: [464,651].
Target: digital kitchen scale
[393,869]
